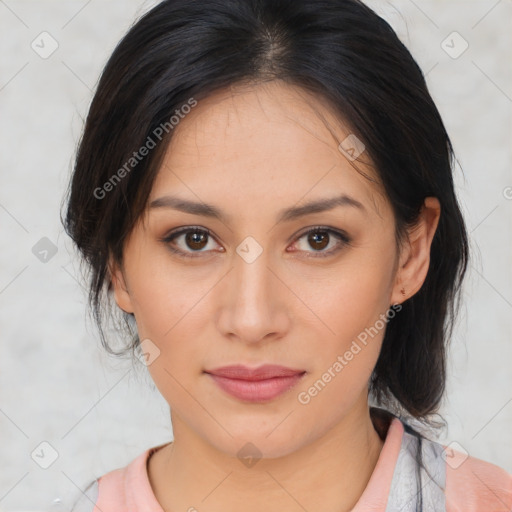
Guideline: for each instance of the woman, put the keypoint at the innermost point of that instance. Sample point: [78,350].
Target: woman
[264,188]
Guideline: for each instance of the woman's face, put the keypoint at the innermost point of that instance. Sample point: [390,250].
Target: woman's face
[258,289]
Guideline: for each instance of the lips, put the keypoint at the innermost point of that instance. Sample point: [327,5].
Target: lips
[266,371]
[260,384]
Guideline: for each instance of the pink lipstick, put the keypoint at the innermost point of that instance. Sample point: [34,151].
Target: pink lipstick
[255,385]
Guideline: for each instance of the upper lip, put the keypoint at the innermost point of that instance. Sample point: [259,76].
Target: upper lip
[266,371]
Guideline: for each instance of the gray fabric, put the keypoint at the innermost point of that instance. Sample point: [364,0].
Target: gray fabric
[405,489]
[88,499]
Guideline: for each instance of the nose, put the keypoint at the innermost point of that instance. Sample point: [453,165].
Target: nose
[253,305]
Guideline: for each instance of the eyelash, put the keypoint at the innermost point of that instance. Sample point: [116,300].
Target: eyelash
[344,240]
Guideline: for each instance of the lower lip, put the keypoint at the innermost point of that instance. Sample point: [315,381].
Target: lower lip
[259,390]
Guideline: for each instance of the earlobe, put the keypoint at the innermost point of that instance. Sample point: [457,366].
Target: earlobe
[119,287]
[415,260]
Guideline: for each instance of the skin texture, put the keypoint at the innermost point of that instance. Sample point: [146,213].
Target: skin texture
[253,151]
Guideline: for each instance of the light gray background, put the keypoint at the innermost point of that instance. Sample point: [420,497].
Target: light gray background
[56,385]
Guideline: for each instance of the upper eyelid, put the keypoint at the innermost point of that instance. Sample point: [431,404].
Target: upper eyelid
[338,232]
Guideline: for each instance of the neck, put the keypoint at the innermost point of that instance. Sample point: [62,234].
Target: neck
[328,474]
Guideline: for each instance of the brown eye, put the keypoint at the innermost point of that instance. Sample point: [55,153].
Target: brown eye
[189,242]
[196,239]
[318,239]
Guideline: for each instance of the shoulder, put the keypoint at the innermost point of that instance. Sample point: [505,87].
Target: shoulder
[125,488]
[473,484]
[108,490]
[431,475]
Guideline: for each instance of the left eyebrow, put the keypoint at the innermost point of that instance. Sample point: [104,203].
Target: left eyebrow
[320,205]
[294,212]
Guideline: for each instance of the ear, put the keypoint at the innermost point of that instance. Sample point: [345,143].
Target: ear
[118,284]
[415,256]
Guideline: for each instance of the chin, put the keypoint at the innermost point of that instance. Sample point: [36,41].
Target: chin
[251,446]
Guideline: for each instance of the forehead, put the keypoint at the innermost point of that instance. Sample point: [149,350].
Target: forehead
[255,146]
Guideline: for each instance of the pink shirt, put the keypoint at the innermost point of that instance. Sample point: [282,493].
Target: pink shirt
[458,484]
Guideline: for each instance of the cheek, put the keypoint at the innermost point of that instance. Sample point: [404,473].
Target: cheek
[343,361]
[166,296]
[172,324]
[349,297]
[352,304]
[171,310]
